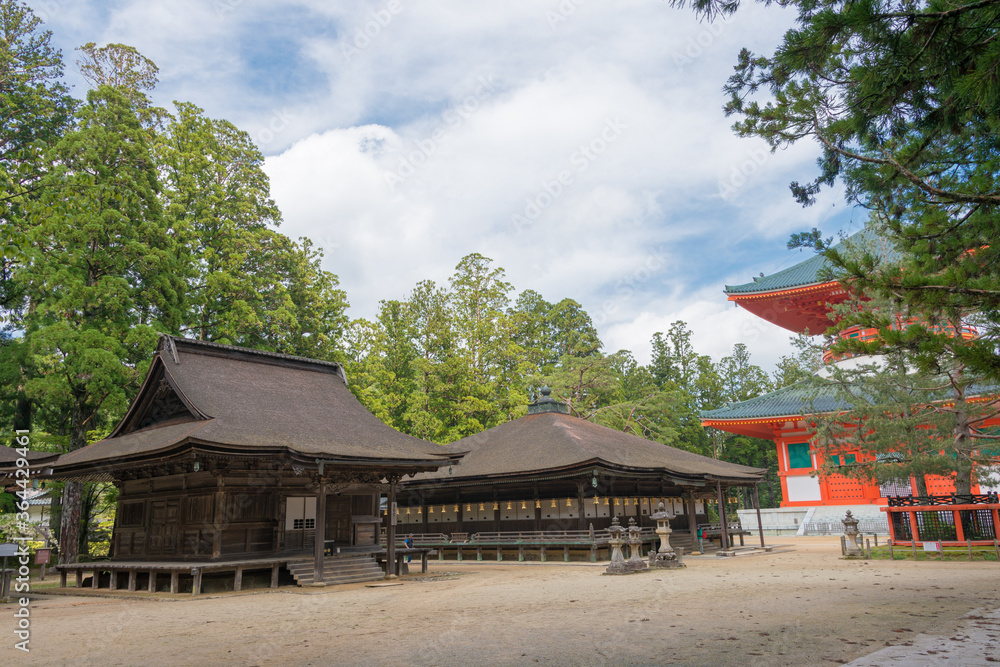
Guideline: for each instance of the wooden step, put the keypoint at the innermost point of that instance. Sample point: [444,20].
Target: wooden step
[347,569]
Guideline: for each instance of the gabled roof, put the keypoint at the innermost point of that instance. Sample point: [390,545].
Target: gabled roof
[550,442]
[241,401]
[807,272]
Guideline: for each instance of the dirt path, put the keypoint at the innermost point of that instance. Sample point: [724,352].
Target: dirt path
[802,607]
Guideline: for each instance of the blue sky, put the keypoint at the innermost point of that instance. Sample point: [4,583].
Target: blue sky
[579,144]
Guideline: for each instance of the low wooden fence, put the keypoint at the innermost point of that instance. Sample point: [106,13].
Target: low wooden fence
[460,545]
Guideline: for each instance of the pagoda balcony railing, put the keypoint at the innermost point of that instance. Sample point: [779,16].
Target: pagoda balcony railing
[864,334]
[951,499]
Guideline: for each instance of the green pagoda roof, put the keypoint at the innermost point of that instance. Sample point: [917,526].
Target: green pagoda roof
[802,398]
[806,272]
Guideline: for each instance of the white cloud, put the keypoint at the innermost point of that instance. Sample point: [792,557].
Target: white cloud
[585,155]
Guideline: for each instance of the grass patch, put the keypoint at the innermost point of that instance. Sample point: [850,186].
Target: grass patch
[947,554]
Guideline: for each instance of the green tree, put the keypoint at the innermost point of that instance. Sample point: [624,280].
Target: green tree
[674,358]
[904,101]
[36,108]
[247,284]
[101,274]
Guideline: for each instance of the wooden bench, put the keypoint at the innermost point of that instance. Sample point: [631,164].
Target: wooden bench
[713,531]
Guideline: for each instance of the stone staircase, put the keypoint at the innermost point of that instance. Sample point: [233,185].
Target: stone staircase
[340,569]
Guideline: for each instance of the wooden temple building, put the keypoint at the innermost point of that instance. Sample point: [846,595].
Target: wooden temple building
[799,299]
[232,459]
[549,473]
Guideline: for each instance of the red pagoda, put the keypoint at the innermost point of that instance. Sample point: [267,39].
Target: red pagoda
[800,300]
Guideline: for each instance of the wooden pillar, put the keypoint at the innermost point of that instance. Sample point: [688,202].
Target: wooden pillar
[196,581]
[911,516]
[131,580]
[538,510]
[95,581]
[79,578]
[151,586]
[756,505]
[174,582]
[318,556]
[274,574]
[238,579]
[496,512]
[461,514]
[959,528]
[390,543]
[581,523]
[692,520]
[723,519]
[113,584]
[62,576]
[219,519]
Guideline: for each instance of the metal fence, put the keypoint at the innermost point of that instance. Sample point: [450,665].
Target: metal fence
[879,526]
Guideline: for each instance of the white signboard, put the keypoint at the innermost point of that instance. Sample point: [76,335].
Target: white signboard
[8,550]
[932,546]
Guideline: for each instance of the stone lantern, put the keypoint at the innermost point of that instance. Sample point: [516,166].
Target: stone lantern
[635,561]
[615,533]
[853,536]
[665,556]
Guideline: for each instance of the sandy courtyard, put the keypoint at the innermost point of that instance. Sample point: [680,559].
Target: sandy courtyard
[805,606]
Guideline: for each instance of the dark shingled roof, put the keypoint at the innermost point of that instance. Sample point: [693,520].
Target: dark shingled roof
[246,401]
[9,455]
[551,442]
[807,272]
[802,398]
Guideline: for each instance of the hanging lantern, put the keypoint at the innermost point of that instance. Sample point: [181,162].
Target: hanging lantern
[538,504]
[456,509]
[597,501]
[443,509]
[553,503]
[616,501]
[468,507]
[569,503]
[418,510]
[397,511]
[496,505]
[508,505]
[635,502]
[481,508]
[407,511]
[430,509]
[524,505]
[607,501]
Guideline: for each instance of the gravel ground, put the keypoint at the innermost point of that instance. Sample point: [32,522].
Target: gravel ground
[802,605]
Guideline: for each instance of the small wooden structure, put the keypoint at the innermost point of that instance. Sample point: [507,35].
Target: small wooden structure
[230,459]
[952,520]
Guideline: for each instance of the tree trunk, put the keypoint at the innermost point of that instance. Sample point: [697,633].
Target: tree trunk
[69,526]
[921,484]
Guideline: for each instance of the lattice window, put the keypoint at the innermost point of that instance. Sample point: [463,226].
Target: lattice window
[901,526]
[978,524]
[936,526]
